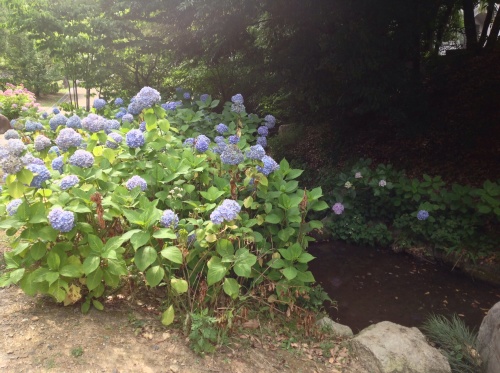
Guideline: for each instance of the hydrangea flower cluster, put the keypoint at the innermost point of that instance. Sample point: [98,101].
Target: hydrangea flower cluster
[263,131]
[204,97]
[121,113]
[16,147]
[33,126]
[40,174]
[116,139]
[13,205]
[74,122]
[93,123]
[186,95]
[171,105]
[129,118]
[202,143]
[358,175]
[232,155]
[110,125]
[233,139]
[382,183]
[29,159]
[262,141]
[118,101]
[270,165]
[142,126]
[269,121]
[99,103]
[135,138]
[228,211]
[237,105]
[68,138]
[11,134]
[338,208]
[146,97]
[12,165]
[69,181]
[55,110]
[61,220]
[256,152]
[169,219]
[57,164]
[189,142]
[422,215]
[82,158]
[56,121]
[55,149]
[221,128]
[136,181]
[348,184]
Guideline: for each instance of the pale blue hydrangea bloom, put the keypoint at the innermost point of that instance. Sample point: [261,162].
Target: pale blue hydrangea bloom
[99,103]
[227,211]
[204,97]
[262,141]
[57,164]
[40,174]
[256,152]
[61,220]
[136,181]
[55,149]
[270,165]
[422,215]
[11,134]
[33,126]
[338,208]
[16,147]
[169,219]
[233,139]
[74,122]
[93,123]
[116,139]
[68,138]
[69,181]
[135,138]
[129,118]
[118,101]
[189,141]
[232,155]
[270,121]
[202,143]
[56,121]
[263,131]
[237,99]
[110,125]
[42,142]
[12,165]
[82,158]
[13,205]
[221,128]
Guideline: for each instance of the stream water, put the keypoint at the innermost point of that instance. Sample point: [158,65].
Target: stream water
[373,285]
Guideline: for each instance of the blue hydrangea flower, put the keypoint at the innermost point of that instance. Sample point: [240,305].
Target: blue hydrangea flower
[120,114]
[33,126]
[233,139]
[129,118]
[169,219]
[136,181]
[12,165]
[44,115]
[11,134]
[232,155]
[189,142]
[256,152]
[116,139]
[93,123]
[29,159]
[135,107]
[61,220]
[220,139]
[110,125]
[41,174]
[142,126]
[220,147]
[262,141]
[57,164]
[82,158]
[237,99]
[270,121]
[221,128]
[74,122]
[56,121]
[186,95]
[422,215]
[4,153]
[270,165]
[238,108]
[263,131]
[55,149]
[204,97]
[148,97]
[68,138]
[118,101]
[202,143]
[228,211]
[135,138]
[13,205]
[69,181]
[99,103]
[16,147]
[56,110]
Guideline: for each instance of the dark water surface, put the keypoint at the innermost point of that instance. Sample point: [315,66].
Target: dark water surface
[373,285]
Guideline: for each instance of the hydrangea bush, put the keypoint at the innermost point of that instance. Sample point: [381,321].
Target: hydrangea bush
[211,222]
[16,101]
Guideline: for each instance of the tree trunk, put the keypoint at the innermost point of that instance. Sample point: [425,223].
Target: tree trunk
[487,21]
[87,99]
[470,25]
[69,93]
[493,37]
[443,25]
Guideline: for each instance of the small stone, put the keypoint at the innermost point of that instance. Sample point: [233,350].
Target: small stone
[35,318]
[174,368]
[10,352]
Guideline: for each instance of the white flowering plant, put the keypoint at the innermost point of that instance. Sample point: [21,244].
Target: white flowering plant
[160,190]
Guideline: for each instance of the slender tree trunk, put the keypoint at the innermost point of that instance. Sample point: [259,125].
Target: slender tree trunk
[493,37]
[487,21]
[69,93]
[443,25]
[470,24]
[87,99]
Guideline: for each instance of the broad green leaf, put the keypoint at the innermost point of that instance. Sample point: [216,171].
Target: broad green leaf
[16,275]
[16,189]
[244,262]
[144,257]
[173,254]
[167,317]
[165,233]
[225,248]
[154,275]
[95,244]
[98,305]
[273,219]
[290,273]
[24,176]
[94,279]
[305,258]
[179,285]
[90,264]
[53,261]
[139,239]
[305,276]
[216,270]
[38,250]
[231,287]
[70,270]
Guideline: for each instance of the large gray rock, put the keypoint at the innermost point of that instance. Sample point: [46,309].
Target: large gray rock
[338,330]
[389,348]
[488,340]
[4,124]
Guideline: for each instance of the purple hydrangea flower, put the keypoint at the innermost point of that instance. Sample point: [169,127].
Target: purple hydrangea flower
[202,143]
[57,164]
[232,155]
[32,126]
[338,208]
[129,118]
[99,103]
[16,147]
[61,220]
[204,97]
[221,128]
[189,141]
[237,99]
[11,134]
[68,138]
[270,121]
[169,219]
[148,97]
[263,131]
[44,115]
[142,126]
[135,138]
[110,125]
[12,165]
[228,211]
[116,139]
[56,110]
[256,152]
[270,165]
[136,181]
[422,215]
[262,141]
[186,96]
[74,122]
[29,159]
[82,158]
[55,149]
[69,181]
[233,139]
[13,205]
[93,123]
[171,105]
[4,153]
[58,120]
[220,139]
[135,107]
[41,142]
[41,174]
[118,101]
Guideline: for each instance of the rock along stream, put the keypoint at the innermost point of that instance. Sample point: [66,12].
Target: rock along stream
[373,285]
